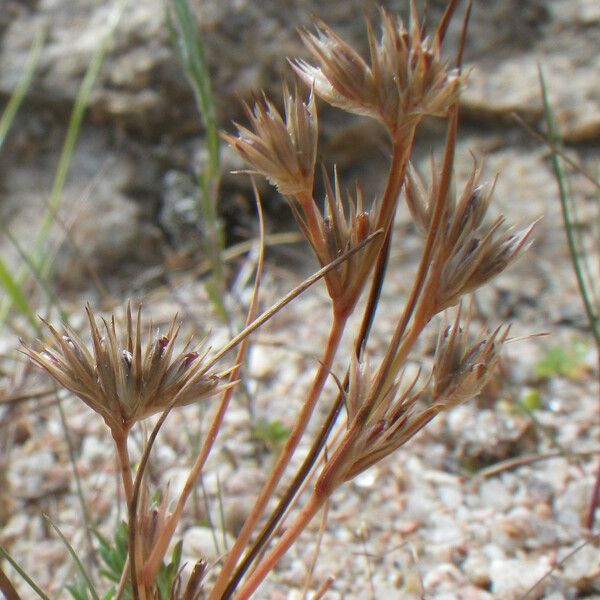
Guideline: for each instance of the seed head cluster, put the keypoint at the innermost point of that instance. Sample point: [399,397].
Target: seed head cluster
[123,377]
[405,80]
[470,250]
[283,149]
[382,420]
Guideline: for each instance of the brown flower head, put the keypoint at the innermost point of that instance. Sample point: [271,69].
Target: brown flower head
[283,150]
[123,378]
[470,251]
[379,422]
[345,225]
[461,370]
[406,78]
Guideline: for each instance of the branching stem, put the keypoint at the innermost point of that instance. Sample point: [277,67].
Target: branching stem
[333,341]
[286,541]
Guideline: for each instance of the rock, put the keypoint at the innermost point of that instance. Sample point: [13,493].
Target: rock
[512,578]
[582,569]
[203,542]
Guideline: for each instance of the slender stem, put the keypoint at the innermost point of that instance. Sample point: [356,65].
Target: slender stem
[287,498]
[333,341]
[7,588]
[596,490]
[389,366]
[120,438]
[584,292]
[308,463]
[123,581]
[400,154]
[268,563]
[158,551]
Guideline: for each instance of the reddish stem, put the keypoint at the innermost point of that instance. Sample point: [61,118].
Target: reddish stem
[335,335]
[268,563]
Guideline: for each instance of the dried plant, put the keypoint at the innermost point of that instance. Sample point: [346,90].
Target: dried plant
[407,77]
[125,380]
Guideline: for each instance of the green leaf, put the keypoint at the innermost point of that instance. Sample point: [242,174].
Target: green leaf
[272,433]
[15,293]
[15,565]
[561,361]
[86,578]
[78,590]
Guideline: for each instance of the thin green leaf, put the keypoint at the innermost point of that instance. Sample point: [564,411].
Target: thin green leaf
[216,298]
[191,53]
[15,565]
[16,293]
[188,43]
[78,563]
[591,313]
[176,557]
[41,259]
[17,97]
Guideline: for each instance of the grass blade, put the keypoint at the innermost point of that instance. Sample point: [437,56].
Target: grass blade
[17,97]
[38,257]
[16,293]
[15,565]
[191,52]
[187,42]
[584,291]
[78,563]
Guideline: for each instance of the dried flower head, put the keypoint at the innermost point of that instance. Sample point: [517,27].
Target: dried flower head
[470,251]
[345,225]
[122,378]
[382,420]
[406,78]
[283,150]
[461,370]
[378,423]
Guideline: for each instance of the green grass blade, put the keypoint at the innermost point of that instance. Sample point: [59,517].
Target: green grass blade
[191,52]
[79,106]
[78,563]
[187,42]
[38,258]
[553,136]
[17,97]
[15,565]
[15,293]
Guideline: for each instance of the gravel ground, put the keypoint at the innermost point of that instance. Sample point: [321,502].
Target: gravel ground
[489,501]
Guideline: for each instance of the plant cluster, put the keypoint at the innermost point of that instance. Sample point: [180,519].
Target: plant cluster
[126,376]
